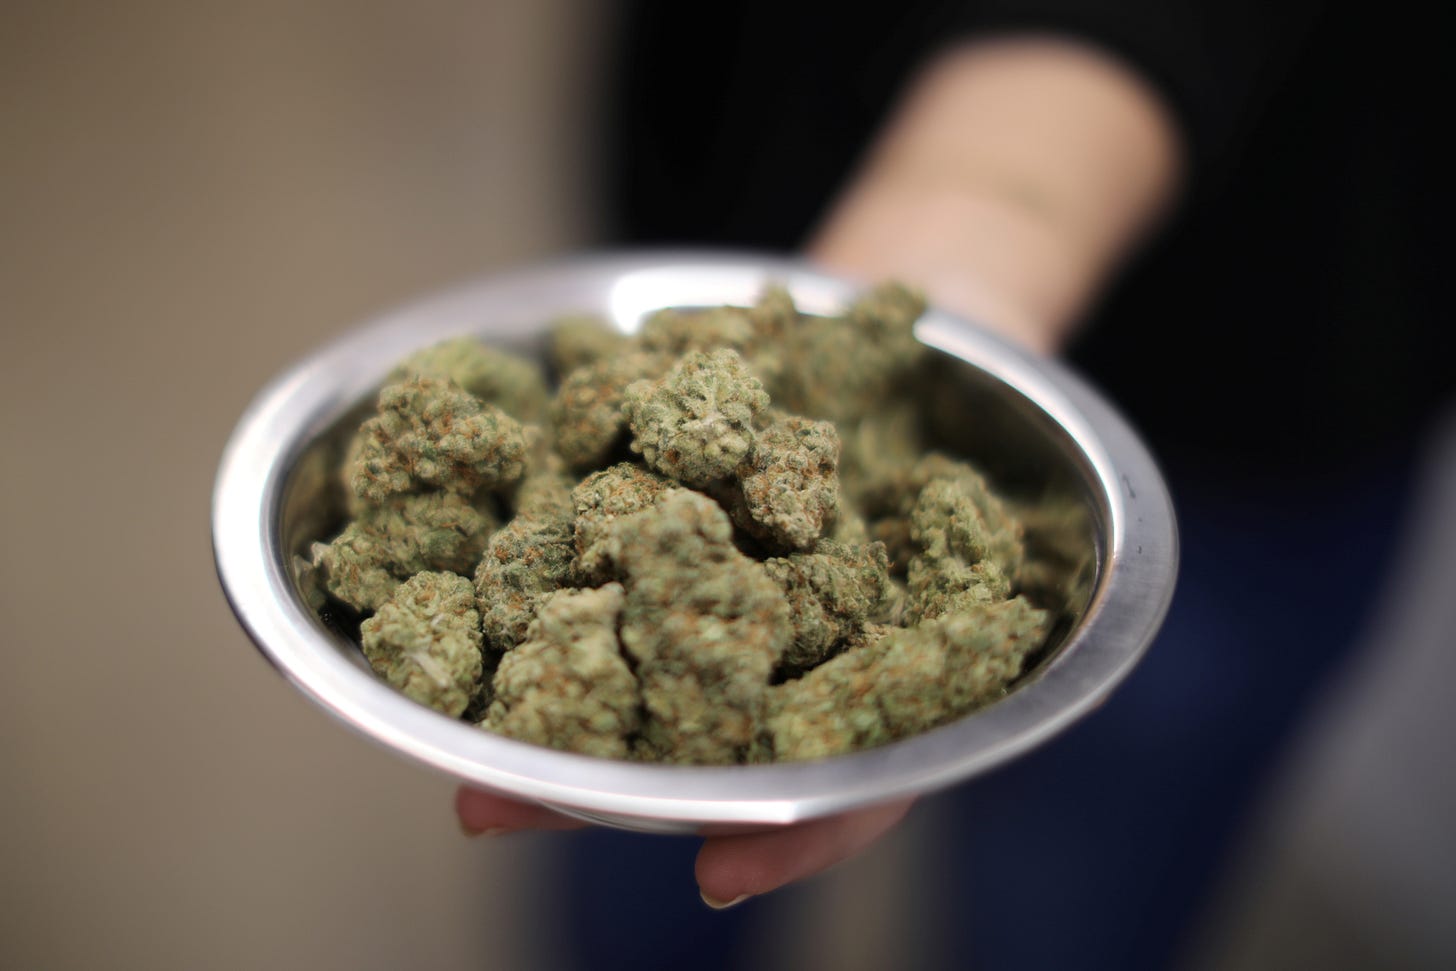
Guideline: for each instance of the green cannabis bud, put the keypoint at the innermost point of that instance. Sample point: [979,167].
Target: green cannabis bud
[786,490]
[756,333]
[704,625]
[968,545]
[904,681]
[580,339]
[512,383]
[679,331]
[527,559]
[586,413]
[545,490]
[567,685]
[696,424]
[723,539]
[389,543]
[833,594]
[425,640]
[599,501]
[841,368]
[431,434]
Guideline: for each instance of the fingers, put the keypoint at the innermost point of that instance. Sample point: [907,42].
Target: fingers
[482,813]
[732,868]
[729,868]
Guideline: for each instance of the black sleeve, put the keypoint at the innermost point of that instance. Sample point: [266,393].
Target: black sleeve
[1216,64]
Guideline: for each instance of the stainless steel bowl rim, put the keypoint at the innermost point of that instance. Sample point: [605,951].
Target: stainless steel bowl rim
[1138,567]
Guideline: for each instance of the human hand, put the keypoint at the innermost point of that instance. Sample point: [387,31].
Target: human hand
[729,869]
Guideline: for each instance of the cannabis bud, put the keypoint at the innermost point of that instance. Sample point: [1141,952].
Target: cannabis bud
[727,538]
[425,640]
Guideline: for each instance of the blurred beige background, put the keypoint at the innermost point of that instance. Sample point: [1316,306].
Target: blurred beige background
[192,195]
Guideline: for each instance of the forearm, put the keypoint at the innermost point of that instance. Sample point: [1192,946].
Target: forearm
[1013,179]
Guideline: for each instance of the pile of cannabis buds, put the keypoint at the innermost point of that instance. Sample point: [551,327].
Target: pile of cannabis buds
[720,540]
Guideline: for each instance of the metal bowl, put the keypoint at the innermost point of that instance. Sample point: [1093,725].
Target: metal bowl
[1036,428]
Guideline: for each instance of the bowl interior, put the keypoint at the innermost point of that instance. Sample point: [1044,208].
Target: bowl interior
[1099,528]
[1030,459]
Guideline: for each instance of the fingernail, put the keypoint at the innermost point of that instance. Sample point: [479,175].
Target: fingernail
[489,831]
[717,904]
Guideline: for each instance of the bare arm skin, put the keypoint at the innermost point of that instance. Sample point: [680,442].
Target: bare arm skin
[1011,182]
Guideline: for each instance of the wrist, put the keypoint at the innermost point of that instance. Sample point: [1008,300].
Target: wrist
[1016,175]
[976,254]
